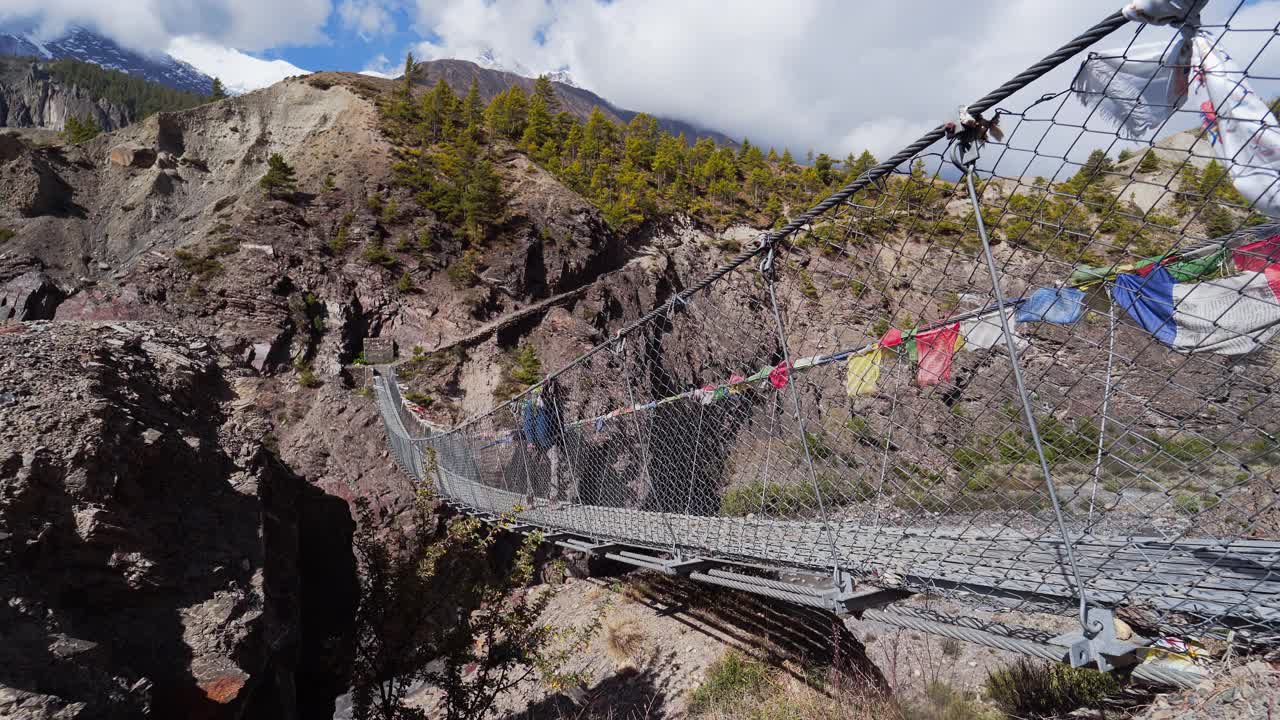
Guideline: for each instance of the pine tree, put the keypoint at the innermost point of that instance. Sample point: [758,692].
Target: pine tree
[78,130]
[538,128]
[543,89]
[642,140]
[472,109]
[482,200]
[218,92]
[597,135]
[863,163]
[668,159]
[279,180]
[406,80]
[822,165]
[1150,162]
[514,109]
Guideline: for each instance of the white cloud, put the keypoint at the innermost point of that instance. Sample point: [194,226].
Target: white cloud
[367,18]
[149,25]
[380,66]
[239,72]
[824,74]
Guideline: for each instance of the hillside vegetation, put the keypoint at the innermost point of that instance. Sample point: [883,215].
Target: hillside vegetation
[140,97]
[636,173]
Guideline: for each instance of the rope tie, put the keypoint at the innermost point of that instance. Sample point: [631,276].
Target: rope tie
[1106,399]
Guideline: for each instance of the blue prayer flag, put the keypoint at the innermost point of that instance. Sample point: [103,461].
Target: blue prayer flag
[1149,301]
[1055,305]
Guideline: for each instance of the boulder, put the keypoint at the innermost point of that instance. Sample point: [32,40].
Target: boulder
[10,146]
[29,296]
[133,155]
[32,186]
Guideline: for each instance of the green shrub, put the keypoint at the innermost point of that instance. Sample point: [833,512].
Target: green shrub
[205,265]
[307,376]
[1032,689]
[405,284]
[338,243]
[418,398]
[798,498]
[943,702]
[729,681]
[463,271]
[375,254]
[6,235]
[78,130]
[1186,503]
[527,367]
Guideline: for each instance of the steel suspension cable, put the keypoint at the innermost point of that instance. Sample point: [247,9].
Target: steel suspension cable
[1016,368]
[1104,28]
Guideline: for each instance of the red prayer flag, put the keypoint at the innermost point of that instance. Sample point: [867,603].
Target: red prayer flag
[936,349]
[1256,256]
[893,338]
[780,375]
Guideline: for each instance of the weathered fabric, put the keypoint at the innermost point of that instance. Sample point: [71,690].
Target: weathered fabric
[985,332]
[1053,305]
[1228,316]
[935,351]
[863,373]
[1249,139]
[1137,87]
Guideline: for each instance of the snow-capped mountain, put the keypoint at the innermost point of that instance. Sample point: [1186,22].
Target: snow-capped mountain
[87,46]
[490,60]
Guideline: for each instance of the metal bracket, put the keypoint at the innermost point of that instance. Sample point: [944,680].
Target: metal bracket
[1103,649]
[853,603]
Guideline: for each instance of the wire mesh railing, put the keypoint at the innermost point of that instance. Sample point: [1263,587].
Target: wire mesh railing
[850,404]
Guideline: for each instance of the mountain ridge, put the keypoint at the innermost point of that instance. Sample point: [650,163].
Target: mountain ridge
[81,44]
[578,101]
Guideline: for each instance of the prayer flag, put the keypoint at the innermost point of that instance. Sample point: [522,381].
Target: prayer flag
[1228,316]
[985,332]
[779,376]
[1054,305]
[863,372]
[1256,256]
[935,351]
[1247,137]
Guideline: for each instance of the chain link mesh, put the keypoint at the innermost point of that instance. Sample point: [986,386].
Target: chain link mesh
[726,424]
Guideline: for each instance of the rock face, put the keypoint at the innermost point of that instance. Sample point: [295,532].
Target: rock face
[133,155]
[154,556]
[27,294]
[29,98]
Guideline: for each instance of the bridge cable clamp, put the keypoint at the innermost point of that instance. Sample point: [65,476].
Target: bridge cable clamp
[1102,649]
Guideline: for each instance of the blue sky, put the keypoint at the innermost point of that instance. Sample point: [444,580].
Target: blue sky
[348,50]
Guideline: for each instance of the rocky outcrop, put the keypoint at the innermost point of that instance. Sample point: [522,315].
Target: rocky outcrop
[32,185]
[133,155]
[29,98]
[155,557]
[27,294]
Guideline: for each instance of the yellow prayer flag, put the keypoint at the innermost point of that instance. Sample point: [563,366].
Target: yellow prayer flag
[864,373]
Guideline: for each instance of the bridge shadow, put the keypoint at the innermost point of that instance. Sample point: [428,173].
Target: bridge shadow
[789,637]
[629,694]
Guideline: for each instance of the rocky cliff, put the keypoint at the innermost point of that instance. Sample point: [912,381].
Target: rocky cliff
[156,558]
[30,98]
[160,313]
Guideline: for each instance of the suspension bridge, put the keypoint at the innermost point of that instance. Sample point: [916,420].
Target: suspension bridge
[992,368]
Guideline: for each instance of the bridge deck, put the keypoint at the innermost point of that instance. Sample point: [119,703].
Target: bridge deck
[1203,577]
[1235,580]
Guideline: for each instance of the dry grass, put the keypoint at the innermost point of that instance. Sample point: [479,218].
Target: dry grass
[738,687]
[624,640]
